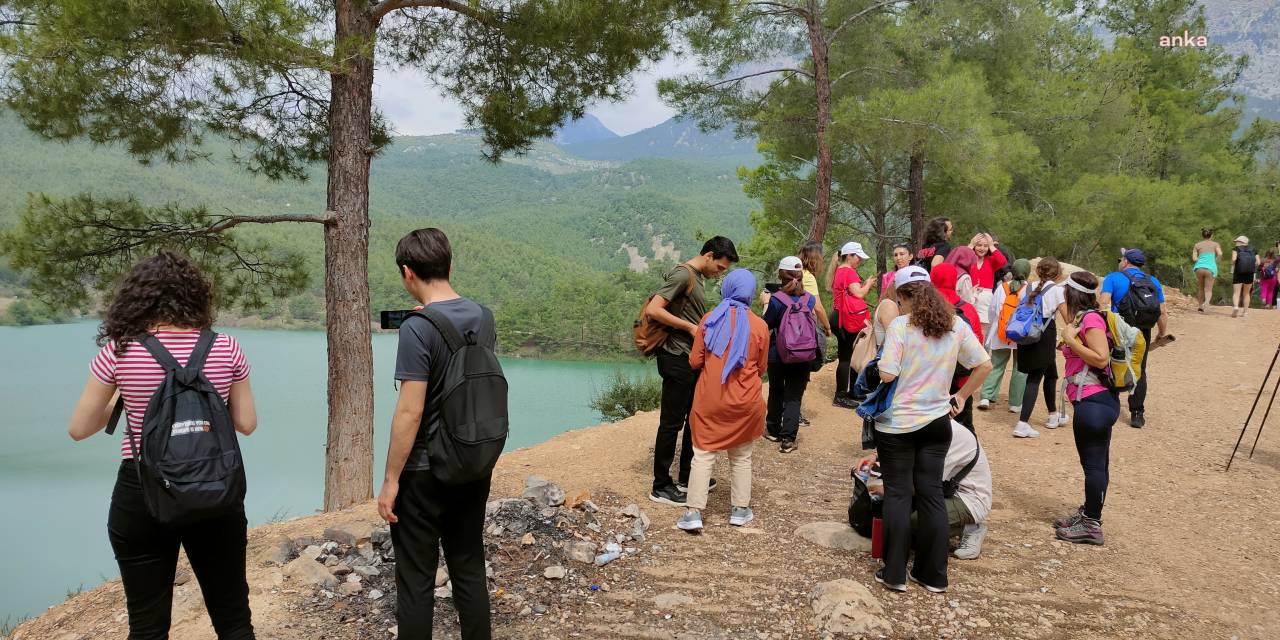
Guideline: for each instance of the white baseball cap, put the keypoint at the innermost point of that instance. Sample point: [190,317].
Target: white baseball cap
[790,263]
[1242,239]
[909,274]
[854,248]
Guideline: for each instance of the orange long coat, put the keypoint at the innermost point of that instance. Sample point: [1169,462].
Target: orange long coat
[730,414]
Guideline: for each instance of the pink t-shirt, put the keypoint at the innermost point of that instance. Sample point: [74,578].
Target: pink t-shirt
[137,375]
[1074,364]
[853,310]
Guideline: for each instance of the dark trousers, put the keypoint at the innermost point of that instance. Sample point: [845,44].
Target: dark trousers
[433,514]
[787,383]
[1092,424]
[965,417]
[1049,377]
[147,553]
[678,381]
[1138,399]
[912,464]
[845,340]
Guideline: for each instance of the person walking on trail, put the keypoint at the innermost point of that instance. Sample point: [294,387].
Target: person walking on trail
[1268,275]
[1038,361]
[166,303]
[936,246]
[425,512]
[811,257]
[1087,350]
[1139,298]
[902,257]
[790,317]
[848,291]
[989,263]
[965,260]
[1244,264]
[1205,254]
[1003,350]
[921,351]
[943,278]
[680,305]
[731,349]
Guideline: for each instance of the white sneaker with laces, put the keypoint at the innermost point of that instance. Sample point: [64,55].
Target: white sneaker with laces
[691,521]
[1024,430]
[1058,419]
[984,404]
[971,542]
[1017,409]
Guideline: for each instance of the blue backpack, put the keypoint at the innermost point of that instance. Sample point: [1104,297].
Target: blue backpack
[1027,324]
[879,397]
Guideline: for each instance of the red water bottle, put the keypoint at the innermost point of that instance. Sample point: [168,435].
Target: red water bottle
[877,538]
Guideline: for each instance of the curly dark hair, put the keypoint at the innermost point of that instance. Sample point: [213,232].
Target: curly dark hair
[936,232]
[166,288]
[929,310]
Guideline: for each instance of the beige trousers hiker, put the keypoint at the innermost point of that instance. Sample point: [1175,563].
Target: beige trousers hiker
[739,476]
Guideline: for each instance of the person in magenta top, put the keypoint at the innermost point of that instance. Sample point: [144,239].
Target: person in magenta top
[167,296]
[902,257]
[848,291]
[1087,351]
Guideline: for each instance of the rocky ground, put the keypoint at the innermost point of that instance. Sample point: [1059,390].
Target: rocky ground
[1191,551]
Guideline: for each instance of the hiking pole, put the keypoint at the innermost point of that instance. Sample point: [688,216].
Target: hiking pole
[1255,405]
[1264,419]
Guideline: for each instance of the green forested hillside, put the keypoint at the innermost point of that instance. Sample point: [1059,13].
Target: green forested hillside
[539,238]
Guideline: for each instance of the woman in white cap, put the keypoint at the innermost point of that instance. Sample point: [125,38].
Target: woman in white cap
[788,377]
[921,350]
[1244,263]
[848,291]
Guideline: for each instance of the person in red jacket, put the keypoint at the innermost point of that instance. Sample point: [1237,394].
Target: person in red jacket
[984,273]
[944,277]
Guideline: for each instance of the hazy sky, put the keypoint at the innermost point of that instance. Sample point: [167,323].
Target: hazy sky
[417,108]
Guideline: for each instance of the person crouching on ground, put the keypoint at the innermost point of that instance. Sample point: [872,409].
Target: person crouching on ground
[731,349]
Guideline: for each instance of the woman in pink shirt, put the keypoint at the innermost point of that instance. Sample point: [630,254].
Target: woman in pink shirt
[902,257]
[167,297]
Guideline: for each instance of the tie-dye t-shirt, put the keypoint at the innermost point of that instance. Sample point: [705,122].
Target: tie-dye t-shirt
[924,367]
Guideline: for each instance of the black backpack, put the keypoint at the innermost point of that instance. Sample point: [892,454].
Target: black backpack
[1140,306]
[472,400]
[188,457]
[1246,261]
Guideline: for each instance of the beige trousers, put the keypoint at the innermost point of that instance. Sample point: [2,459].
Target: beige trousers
[739,470]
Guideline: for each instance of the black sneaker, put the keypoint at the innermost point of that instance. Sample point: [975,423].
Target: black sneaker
[787,446]
[1137,420]
[893,587]
[684,488]
[845,402]
[668,495]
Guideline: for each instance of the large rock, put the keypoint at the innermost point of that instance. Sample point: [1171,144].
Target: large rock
[276,550]
[352,534]
[309,572]
[847,607]
[546,495]
[583,551]
[834,535]
[555,572]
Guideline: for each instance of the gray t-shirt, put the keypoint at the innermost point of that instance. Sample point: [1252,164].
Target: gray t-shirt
[423,356]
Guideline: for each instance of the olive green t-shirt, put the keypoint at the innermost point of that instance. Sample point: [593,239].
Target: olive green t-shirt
[691,307]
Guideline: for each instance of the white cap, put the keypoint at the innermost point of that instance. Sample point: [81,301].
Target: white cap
[854,248]
[1242,239]
[909,274]
[790,263]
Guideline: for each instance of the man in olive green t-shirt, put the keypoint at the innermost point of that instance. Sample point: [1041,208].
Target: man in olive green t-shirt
[681,309]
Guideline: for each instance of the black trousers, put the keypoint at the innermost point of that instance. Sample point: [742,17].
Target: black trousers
[912,464]
[845,341]
[787,383]
[147,553]
[1049,377]
[1095,416]
[433,514]
[1138,399]
[678,381]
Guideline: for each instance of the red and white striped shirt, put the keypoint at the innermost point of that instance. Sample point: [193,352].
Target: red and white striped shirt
[137,375]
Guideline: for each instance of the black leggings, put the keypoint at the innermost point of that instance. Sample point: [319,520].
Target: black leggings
[147,553]
[787,383]
[913,464]
[1050,378]
[1095,415]
[845,341]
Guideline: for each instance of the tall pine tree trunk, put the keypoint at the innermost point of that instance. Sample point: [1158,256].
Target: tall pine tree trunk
[348,464]
[915,196]
[822,85]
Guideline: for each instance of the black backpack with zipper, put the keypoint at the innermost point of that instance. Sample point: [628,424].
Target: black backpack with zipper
[472,400]
[187,455]
[1140,306]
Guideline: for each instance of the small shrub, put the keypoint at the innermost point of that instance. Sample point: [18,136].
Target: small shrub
[626,396]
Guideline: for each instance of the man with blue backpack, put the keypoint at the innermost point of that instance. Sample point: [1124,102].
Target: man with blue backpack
[1139,299]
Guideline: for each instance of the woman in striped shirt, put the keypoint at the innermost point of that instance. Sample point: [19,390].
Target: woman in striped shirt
[166,296]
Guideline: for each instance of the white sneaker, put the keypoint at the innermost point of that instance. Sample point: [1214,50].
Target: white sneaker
[740,516]
[984,404]
[1017,409]
[971,541]
[1024,430]
[1058,419]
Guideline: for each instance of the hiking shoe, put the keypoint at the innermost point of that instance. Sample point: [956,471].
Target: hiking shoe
[971,541]
[1058,419]
[669,496]
[892,587]
[984,404]
[770,437]
[1072,520]
[1024,430]
[787,446]
[804,422]
[930,588]
[684,488]
[691,521]
[845,402]
[1087,531]
[740,516]
[1137,419]
[1017,409]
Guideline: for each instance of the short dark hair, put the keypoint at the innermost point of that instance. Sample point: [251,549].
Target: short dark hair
[426,252]
[936,231]
[1206,233]
[720,247]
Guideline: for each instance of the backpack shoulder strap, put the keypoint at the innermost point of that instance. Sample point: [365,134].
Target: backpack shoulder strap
[160,353]
[1128,276]
[784,298]
[200,352]
[115,416]
[693,279]
[452,338]
[964,471]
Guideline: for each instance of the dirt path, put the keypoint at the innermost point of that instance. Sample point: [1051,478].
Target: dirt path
[1191,552]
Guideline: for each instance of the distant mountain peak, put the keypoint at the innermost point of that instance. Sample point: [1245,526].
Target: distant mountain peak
[675,138]
[588,128]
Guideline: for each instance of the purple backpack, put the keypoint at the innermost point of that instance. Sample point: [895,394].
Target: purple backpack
[797,339]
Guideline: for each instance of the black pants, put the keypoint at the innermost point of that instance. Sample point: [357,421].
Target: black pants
[147,553]
[845,341]
[1049,377]
[965,417]
[678,381]
[1138,399]
[787,383]
[912,464]
[1092,424]
[433,514]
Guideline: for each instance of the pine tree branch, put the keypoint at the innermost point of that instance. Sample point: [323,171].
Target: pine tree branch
[758,73]
[228,222]
[857,16]
[387,6]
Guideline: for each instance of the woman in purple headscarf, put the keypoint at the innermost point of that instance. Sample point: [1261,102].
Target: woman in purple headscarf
[965,260]
[731,349]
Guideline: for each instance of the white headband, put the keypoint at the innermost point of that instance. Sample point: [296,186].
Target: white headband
[1079,287]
